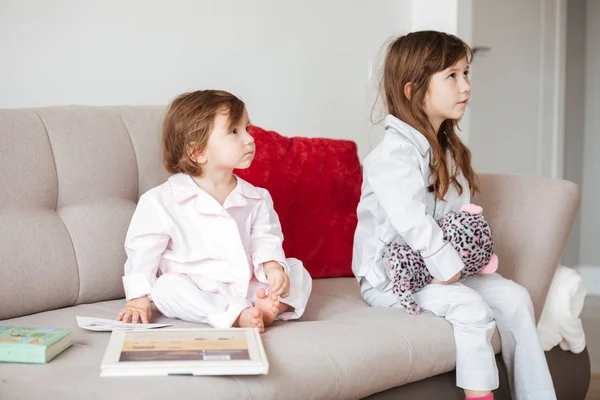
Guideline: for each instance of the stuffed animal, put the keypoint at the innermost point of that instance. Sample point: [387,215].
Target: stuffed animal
[470,235]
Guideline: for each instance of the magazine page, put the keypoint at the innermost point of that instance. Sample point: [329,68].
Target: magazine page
[108,325]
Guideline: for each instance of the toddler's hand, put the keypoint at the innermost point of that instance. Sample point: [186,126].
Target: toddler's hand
[279,282]
[136,310]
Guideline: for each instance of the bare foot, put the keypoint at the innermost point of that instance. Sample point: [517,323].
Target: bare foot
[476,393]
[251,318]
[269,305]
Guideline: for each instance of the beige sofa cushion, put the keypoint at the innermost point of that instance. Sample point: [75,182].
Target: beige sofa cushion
[340,349]
[531,220]
[38,268]
[70,178]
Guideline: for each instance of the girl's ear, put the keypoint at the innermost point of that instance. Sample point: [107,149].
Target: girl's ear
[408,90]
[197,156]
[201,157]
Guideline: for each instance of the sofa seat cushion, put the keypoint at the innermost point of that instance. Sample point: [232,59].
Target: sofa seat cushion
[340,349]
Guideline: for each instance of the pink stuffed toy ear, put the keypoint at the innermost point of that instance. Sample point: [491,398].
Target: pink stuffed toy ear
[471,208]
[492,265]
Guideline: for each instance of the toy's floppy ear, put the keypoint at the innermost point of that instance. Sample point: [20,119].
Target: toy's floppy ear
[471,209]
[492,265]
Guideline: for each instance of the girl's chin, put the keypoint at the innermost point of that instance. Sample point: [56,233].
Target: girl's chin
[244,165]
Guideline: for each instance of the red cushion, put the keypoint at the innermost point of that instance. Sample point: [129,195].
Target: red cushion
[315,185]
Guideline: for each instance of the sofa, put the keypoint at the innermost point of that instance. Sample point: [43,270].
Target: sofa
[70,177]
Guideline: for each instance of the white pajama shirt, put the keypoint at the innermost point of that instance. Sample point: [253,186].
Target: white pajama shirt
[201,261]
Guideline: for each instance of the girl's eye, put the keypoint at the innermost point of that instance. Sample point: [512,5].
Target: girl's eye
[235,131]
[466,73]
[452,75]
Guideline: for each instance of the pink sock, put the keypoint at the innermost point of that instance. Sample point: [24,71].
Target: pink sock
[488,397]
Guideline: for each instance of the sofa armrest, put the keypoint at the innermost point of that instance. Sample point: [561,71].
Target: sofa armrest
[531,218]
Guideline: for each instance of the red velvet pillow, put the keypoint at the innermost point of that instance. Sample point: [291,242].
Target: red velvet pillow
[315,185]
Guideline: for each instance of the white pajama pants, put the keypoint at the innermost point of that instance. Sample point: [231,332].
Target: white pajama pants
[217,303]
[475,306]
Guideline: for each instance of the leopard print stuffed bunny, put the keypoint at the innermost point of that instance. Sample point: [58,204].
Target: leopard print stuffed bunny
[466,230]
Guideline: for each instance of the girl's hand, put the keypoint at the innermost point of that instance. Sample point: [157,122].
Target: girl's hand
[449,281]
[136,310]
[453,279]
[279,282]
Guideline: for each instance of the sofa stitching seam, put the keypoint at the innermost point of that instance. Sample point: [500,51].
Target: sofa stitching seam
[56,206]
[237,381]
[412,359]
[137,165]
[339,377]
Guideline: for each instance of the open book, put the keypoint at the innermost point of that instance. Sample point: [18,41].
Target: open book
[202,351]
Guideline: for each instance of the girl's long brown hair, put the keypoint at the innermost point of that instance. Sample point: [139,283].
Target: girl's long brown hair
[413,58]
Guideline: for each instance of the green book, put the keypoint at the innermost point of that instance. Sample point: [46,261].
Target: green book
[32,345]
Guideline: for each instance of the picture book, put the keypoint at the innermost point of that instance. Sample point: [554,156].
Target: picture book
[32,345]
[203,351]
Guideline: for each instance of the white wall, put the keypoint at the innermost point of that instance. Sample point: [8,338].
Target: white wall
[303,68]
[517,102]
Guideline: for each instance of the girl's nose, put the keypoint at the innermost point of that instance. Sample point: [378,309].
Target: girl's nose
[249,139]
[466,86]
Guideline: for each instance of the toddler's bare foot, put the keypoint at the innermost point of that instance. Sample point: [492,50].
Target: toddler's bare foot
[269,305]
[251,318]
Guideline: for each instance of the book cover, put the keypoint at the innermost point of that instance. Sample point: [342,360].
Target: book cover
[185,352]
[32,345]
